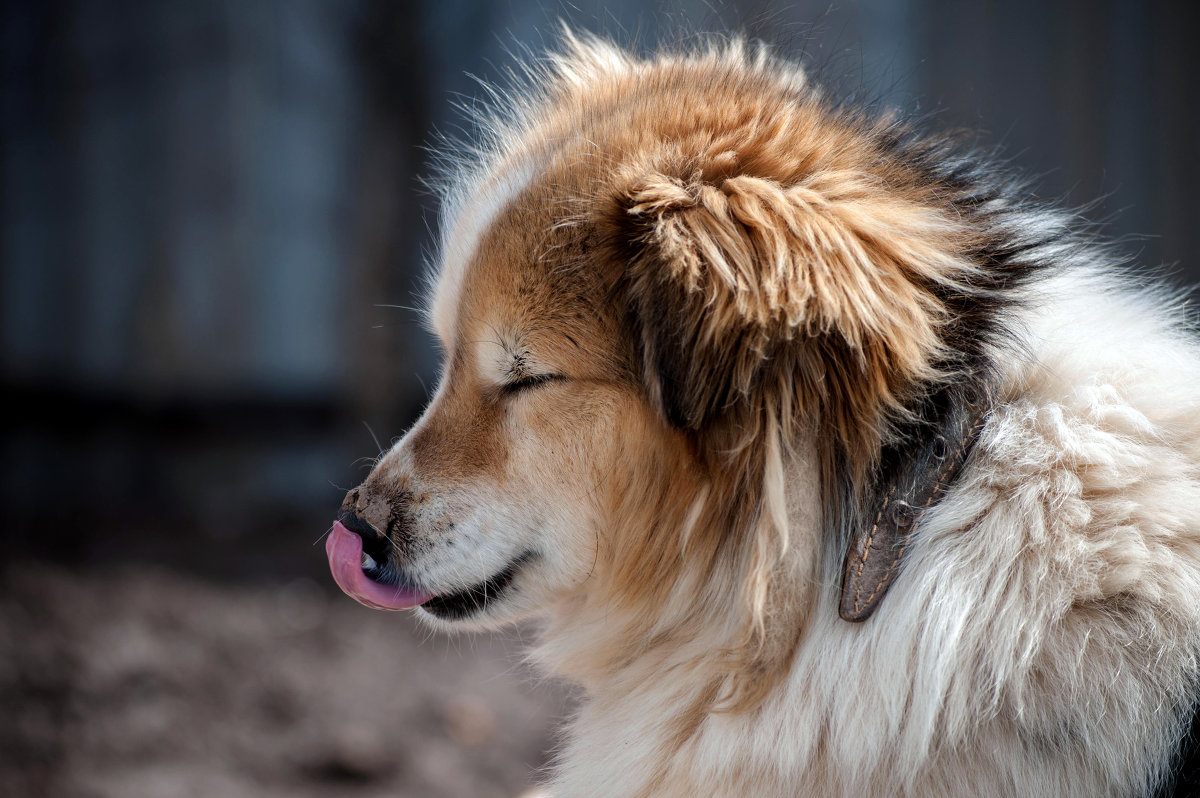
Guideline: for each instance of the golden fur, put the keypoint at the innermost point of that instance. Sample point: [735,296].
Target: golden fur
[687,305]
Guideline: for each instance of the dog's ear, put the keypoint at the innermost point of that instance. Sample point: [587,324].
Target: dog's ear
[833,294]
[729,270]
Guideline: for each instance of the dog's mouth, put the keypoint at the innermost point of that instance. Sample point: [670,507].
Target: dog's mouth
[451,606]
[368,582]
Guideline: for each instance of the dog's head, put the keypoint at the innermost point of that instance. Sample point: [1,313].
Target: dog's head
[670,292]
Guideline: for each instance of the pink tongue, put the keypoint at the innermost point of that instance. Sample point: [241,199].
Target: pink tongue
[345,561]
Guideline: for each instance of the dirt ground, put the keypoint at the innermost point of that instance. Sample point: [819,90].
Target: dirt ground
[140,682]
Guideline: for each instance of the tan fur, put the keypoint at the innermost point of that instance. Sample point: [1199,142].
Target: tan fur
[734,289]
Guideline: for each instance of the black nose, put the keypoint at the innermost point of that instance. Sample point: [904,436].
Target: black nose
[375,542]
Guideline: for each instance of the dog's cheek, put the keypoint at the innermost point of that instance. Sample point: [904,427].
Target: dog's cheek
[563,451]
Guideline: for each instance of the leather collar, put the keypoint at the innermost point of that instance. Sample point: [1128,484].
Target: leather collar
[916,477]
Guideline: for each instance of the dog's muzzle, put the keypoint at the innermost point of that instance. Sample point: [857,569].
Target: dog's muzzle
[359,549]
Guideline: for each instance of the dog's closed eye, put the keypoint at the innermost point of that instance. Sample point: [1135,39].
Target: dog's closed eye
[529,381]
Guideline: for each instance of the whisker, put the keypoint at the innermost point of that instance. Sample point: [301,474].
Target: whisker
[378,446]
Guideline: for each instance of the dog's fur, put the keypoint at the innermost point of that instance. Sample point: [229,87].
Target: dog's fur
[689,309]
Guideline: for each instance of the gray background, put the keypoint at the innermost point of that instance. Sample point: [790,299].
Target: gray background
[208,208]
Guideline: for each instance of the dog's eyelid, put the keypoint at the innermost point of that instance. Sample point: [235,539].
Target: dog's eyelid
[529,381]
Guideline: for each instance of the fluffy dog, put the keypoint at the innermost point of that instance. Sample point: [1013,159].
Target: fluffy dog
[833,463]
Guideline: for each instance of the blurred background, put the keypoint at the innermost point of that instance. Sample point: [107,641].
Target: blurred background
[212,231]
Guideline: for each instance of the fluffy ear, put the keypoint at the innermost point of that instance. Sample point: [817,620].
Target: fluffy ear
[759,301]
[831,278]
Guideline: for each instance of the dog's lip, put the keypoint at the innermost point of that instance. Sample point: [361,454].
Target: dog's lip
[344,549]
[462,603]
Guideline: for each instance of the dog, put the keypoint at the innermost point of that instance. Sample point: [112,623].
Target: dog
[832,463]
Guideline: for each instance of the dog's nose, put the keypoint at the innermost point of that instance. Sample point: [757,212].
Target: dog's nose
[366,515]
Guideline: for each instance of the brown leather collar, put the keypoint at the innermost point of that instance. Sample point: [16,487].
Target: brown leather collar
[921,476]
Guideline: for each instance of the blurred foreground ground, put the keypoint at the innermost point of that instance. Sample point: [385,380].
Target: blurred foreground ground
[140,682]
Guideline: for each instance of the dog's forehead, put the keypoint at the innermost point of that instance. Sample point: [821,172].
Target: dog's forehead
[516,277]
[464,234]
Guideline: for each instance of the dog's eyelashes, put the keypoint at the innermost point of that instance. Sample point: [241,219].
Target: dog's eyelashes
[531,381]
